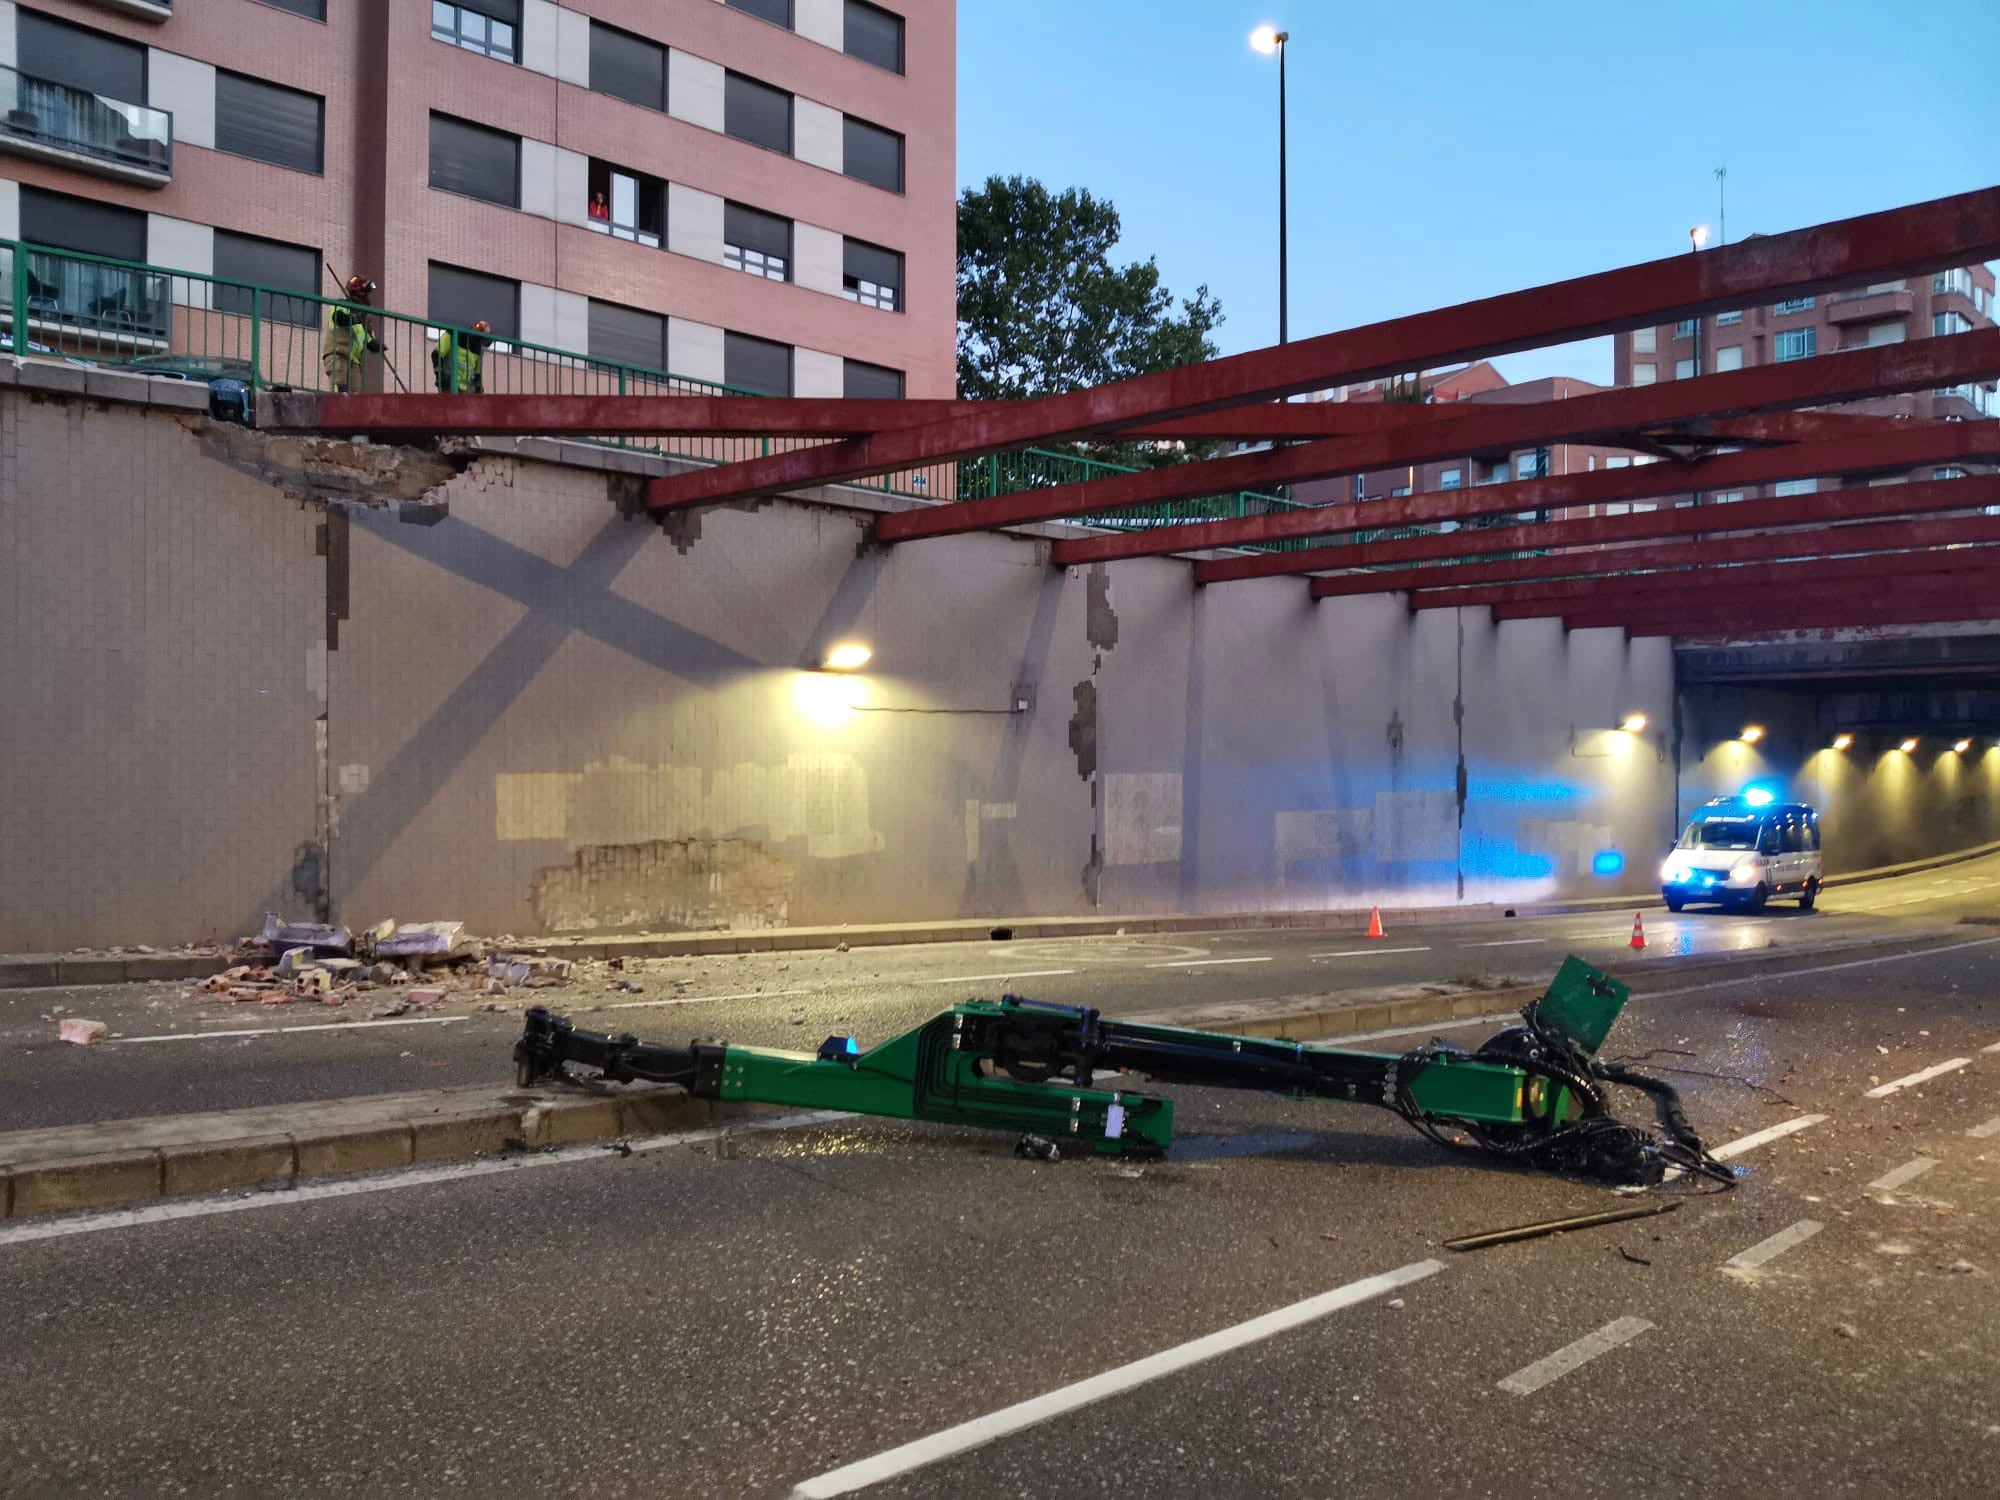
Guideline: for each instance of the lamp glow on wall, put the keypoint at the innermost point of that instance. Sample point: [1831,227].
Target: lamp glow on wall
[828,698]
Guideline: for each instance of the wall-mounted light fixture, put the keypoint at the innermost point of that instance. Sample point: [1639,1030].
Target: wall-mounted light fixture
[1909,746]
[1633,723]
[1751,733]
[1843,741]
[847,656]
[1963,745]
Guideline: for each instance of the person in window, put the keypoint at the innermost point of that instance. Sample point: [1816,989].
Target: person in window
[460,363]
[343,348]
[600,208]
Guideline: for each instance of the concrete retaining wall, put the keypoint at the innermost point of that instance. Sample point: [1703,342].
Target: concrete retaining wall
[534,715]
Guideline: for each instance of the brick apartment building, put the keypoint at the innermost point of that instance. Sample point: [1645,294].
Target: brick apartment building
[755,192]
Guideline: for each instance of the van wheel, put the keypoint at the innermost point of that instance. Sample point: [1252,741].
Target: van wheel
[1757,899]
[1674,903]
[1812,895]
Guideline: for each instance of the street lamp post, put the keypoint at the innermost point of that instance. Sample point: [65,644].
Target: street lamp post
[1268,39]
[1697,237]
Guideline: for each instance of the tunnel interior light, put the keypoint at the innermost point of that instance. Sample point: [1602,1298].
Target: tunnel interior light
[848,656]
[1751,733]
[1962,746]
[1843,741]
[1633,723]
[1908,746]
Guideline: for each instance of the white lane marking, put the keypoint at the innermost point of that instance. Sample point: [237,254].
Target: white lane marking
[1853,963]
[1774,1247]
[1507,943]
[1764,1137]
[982,1430]
[1202,963]
[1014,974]
[1994,1048]
[697,999]
[1909,1171]
[1885,1090]
[209,1036]
[349,1187]
[1366,952]
[1526,1382]
[1990,1128]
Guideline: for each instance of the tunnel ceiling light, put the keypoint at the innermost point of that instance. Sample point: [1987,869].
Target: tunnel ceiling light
[1909,745]
[848,656]
[1962,746]
[1843,741]
[1633,723]
[1751,733]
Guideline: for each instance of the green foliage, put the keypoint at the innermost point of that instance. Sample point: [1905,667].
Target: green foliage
[1042,309]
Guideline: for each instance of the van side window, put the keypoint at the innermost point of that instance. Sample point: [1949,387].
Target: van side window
[1812,834]
[1770,839]
[1798,836]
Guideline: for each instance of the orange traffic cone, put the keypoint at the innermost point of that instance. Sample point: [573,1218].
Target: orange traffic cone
[1375,922]
[1638,931]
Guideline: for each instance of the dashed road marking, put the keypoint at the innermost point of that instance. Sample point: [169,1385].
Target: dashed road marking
[1994,1048]
[1202,963]
[1883,1091]
[1909,1171]
[977,1433]
[1525,1382]
[1990,1128]
[1508,943]
[1015,974]
[1765,1136]
[1366,952]
[328,1026]
[1774,1247]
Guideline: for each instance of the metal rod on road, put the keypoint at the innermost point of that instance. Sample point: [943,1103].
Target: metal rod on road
[1558,1226]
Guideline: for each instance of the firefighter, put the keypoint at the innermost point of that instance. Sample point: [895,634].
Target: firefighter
[460,363]
[343,348]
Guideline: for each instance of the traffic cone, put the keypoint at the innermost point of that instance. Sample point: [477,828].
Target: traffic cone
[1375,922]
[1638,931]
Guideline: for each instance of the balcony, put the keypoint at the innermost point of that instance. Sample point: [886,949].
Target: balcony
[86,131]
[1871,307]
[145,10]
[70,298]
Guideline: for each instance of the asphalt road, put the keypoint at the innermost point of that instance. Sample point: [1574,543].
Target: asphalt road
[175,1052]
[749,1315]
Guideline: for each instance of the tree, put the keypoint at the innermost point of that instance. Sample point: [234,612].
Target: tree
[1042,308]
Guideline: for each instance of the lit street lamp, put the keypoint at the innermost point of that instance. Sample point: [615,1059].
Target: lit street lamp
[1268,39]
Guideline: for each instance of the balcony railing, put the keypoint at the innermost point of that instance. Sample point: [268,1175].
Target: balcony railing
[39,117]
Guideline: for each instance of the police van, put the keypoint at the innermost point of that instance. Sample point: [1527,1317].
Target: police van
[1741,851]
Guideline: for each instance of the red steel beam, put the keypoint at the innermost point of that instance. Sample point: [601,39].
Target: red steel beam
[1923,443]
[1605,414]
[1943,233]
[1906,591]
[1886,536]
[1926,498]
[1570,595]
[1938,600]
[1943,610]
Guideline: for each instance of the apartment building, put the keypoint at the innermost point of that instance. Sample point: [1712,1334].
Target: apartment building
[758,193]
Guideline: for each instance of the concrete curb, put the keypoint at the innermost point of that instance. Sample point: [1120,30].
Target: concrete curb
[129,1161]
[48,970]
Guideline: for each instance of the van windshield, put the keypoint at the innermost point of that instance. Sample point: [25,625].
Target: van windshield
[1721,833]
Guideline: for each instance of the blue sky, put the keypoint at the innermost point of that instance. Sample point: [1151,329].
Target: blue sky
[1451,149]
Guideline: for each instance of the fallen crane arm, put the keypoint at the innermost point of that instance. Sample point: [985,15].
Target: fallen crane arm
[1535,1093]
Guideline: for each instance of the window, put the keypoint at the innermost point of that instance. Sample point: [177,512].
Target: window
[778,12]
[872,276]
[1948,473]
[462,298]
[1793,305]
[271,263]
[1886,333]
[1451,479]
[1499,474]
[628,67]
[1399,491]
[1727,497]
[80,59]
[1724,320]
[487,27]
[1729,357]
[1618,461]
[81,225]
[1683,369]
[757,242]
[862,382]
[1959,281]
[270,123]
[757,113]
[1887,286]
[626,205]
[757,365]
[627,336]
[1532,465]
[874,35]
[872,154]
[1798,343]
[312,10]
[475,161]
[1685,328]
[1645,340]
[81,293]
[1795,487]
[1645,374]
[1946,323]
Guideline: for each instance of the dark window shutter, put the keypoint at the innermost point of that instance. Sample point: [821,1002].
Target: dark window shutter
[269,123]
[83,226]
[475,161]
[461,298]
[873,154]
[269,263]
[756,112]
[82,59]
[627,336]
[753,229]
[873,34]
[871,382]
[627,67]
[759,365]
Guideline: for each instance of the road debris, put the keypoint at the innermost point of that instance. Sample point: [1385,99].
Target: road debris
[82,1033]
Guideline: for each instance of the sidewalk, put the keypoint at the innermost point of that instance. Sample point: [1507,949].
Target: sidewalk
[30,970]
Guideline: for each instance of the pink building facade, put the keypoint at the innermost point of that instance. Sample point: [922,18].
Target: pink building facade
[757,193]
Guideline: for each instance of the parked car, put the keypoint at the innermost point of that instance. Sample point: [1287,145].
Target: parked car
[1741,851]
[228,380]
[43,350]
